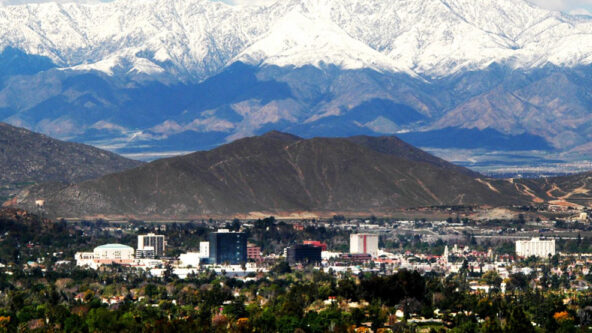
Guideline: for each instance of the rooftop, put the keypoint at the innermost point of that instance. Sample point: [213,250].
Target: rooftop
[113,246]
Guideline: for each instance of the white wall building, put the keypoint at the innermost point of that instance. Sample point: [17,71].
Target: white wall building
[535,247]
[85,259]
[190,259]
[364,243]
[113,252]
[105,255]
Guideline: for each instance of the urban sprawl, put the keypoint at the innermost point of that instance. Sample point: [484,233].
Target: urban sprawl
[317,275]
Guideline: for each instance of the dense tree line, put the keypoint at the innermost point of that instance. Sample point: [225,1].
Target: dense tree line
[72,300]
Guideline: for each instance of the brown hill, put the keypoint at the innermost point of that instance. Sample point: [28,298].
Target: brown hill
[27,157]
[567,191]
[394,146]
[277,173]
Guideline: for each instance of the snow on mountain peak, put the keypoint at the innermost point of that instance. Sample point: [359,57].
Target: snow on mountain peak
[193,39]
[297,40]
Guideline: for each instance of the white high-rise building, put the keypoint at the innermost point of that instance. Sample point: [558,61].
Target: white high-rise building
[535,247]
[204,249]
[364,243]
[152,242]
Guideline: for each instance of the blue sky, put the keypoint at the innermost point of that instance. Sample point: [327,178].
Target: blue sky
[568,6]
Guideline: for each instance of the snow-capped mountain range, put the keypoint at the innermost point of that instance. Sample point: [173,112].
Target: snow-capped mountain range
[145,77]
[194,39]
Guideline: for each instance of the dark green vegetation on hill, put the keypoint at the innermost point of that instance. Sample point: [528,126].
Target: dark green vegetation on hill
[28,158]
[277,173]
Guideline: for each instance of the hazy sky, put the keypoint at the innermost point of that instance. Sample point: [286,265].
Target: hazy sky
[569,6]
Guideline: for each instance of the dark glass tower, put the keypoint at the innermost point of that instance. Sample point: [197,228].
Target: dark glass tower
[304,253]
[228,248]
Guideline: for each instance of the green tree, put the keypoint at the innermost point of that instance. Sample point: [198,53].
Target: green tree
[518,322]
[492,278]
[491,326]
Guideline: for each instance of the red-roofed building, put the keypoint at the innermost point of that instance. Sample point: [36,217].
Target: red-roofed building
[323,246]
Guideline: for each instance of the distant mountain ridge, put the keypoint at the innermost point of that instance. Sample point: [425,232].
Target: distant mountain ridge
[29,158]
[197,38]
[158,78]
[273,174]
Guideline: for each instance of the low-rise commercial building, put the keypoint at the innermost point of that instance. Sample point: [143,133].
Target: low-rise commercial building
[113,252]
[253,252]
[105,255]
[303,253]
[535,247]
[190,259]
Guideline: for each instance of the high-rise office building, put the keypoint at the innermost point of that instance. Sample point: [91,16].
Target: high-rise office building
[152,243]
[228,247]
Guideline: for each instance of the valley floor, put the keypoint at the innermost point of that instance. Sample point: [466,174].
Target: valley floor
[515,164]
